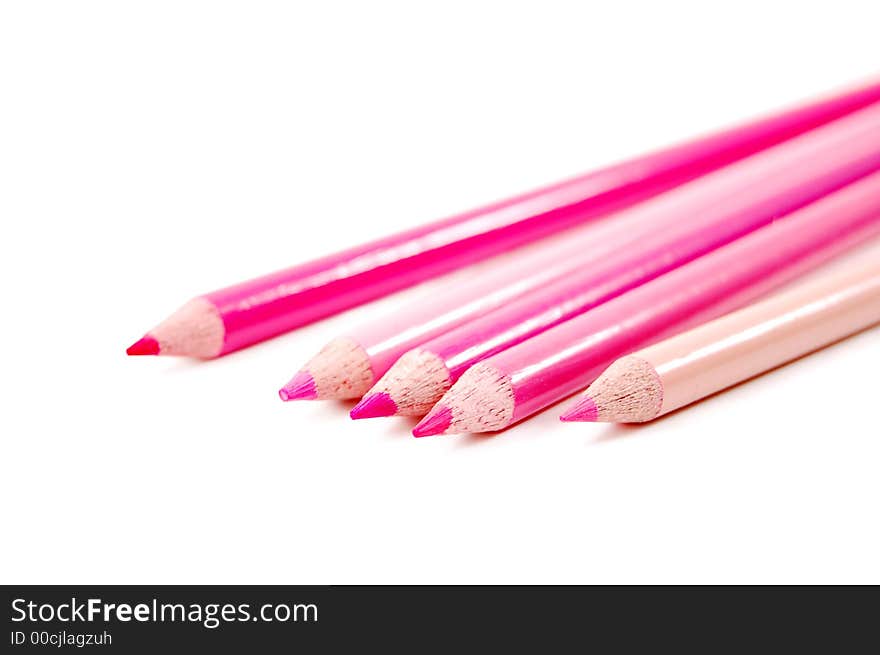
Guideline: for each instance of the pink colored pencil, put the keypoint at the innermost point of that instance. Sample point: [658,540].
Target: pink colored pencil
[223,321]
[649,240]
[349,365]
[522,380]
[691,366]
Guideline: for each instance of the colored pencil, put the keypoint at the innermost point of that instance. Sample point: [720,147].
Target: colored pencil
[348,365]
[703,361]
[520,381]
[226,320]
[652,238]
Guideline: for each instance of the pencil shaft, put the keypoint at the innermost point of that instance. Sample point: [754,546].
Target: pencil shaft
[562,360]
[672,229]
[267,306]
[474,294]
[720,354]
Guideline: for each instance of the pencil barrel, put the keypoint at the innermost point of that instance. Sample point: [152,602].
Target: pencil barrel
[769,334]
[276,303]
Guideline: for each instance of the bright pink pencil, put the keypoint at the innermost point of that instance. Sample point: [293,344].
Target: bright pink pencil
[223,321]
[348,365]
[518,382]
[650,239]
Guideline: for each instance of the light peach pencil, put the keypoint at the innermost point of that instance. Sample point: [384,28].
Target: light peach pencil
[841,301]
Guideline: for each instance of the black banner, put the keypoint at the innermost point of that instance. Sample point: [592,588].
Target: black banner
[242,619]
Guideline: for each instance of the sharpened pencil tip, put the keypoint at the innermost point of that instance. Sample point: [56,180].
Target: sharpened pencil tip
[584,410]
[437,421]
[374,405]
[300,387]
[146,345]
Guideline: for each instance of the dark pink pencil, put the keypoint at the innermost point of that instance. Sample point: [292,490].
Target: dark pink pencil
[654,238]
[223,321]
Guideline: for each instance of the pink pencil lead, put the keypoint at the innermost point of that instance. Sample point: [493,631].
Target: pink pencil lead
[437,421]
[146,345]
[301,387]
[374,405]
[584,410]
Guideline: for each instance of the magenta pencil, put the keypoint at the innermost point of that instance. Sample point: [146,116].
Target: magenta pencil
[226,320]
[347,366]
[643,242]
[522,380]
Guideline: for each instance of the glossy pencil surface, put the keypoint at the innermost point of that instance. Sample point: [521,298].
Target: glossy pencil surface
[222,321]
[518,382]
[347,366]
[641,244]
[823,309]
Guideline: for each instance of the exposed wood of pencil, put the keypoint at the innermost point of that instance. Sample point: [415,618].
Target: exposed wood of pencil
[225,320]
[410,388]
[674,373]
[340,370]
[194,330]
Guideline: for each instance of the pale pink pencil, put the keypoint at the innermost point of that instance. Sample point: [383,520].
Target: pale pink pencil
[349,365]
[686,368]
[650,240]
[531,376]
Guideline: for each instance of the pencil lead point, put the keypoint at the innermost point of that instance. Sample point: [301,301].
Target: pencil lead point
[437,421]
[300,387]
[583,410]
[146,345]
[374,405]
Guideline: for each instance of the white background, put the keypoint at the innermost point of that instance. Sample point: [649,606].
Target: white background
[152,151]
